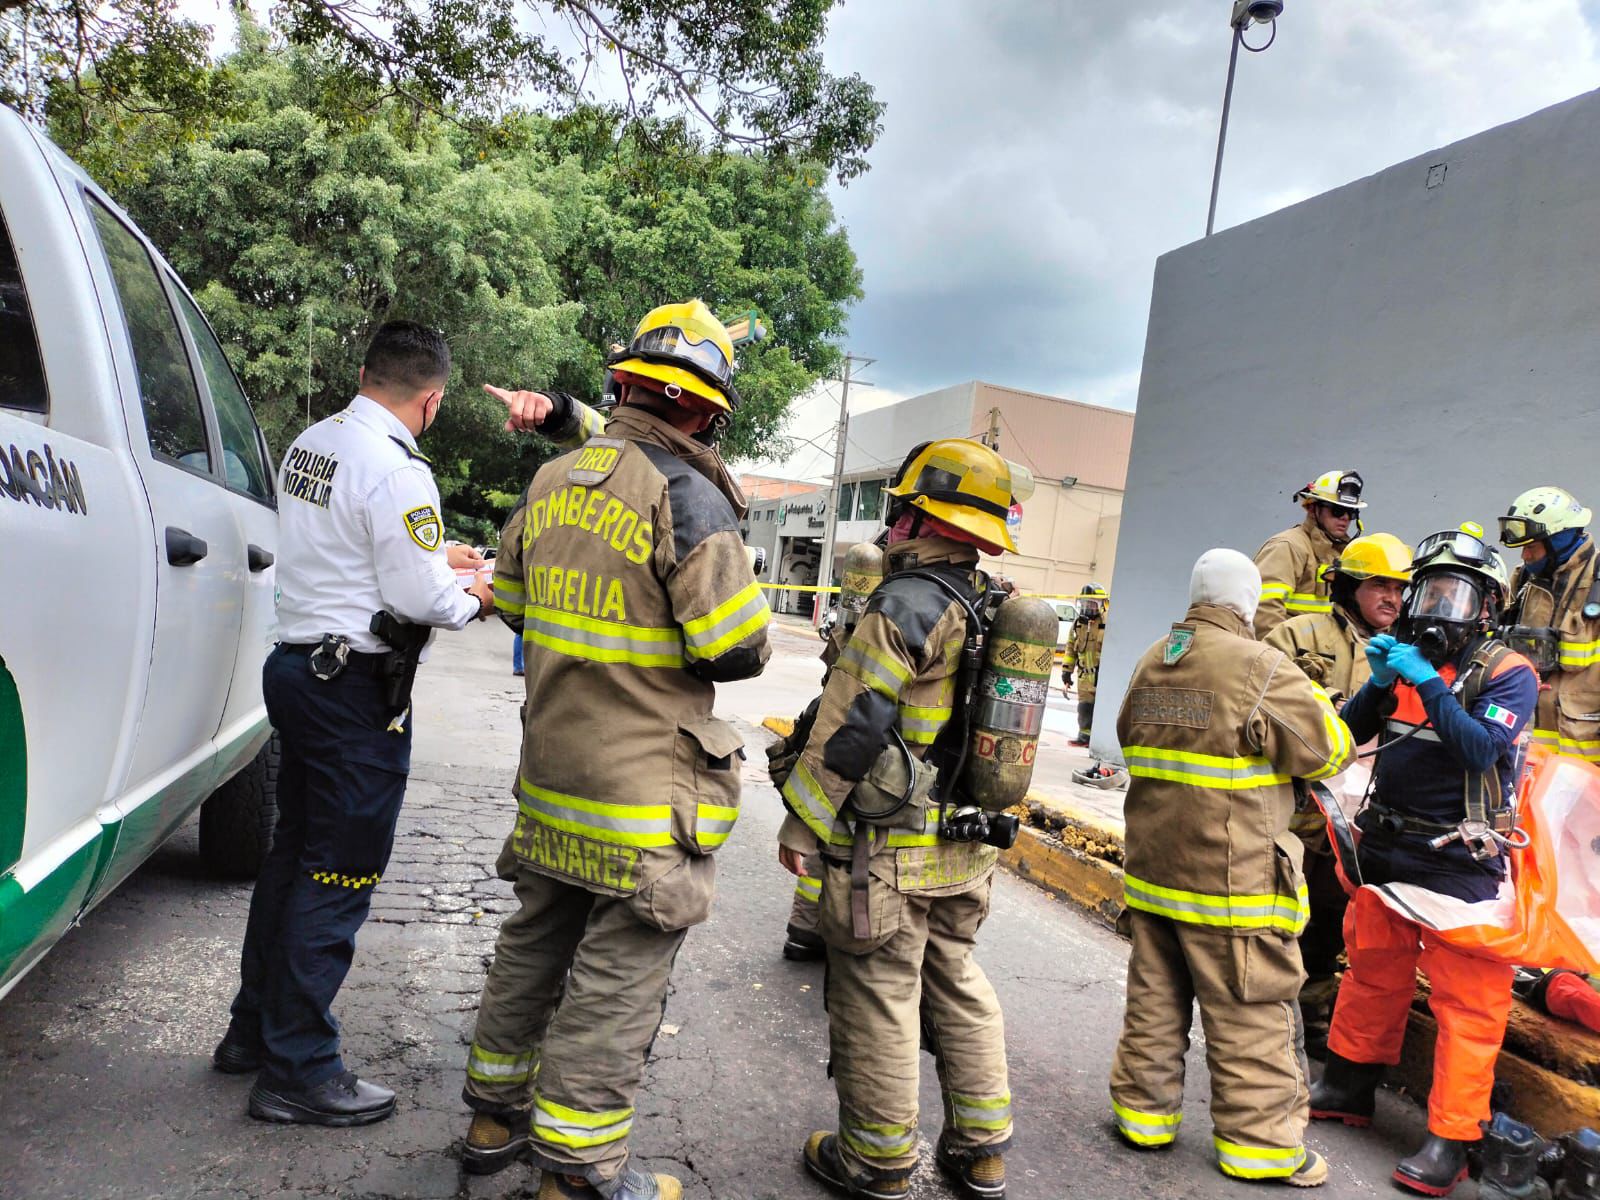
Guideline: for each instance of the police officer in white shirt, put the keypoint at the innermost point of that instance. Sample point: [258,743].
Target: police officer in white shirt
[360,535]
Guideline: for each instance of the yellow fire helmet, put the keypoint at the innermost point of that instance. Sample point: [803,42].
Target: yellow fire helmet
[1540,512]
[686,348]
[961,482]
[1333,487]
[1375,556]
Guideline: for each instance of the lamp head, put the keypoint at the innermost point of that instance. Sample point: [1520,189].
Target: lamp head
[1255,12]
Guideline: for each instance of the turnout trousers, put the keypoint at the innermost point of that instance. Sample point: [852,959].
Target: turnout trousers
[807,897]
[341,781]
[1470,999]
[919,987]
[1247,989]
[568,1015]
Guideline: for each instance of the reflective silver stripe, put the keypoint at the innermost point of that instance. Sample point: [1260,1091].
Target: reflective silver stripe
[642,640]
[1147,1129]
[568,1127]
[705,642]
[617,824]
[876,673]
[876,1141]
[1199,908]
[713,823]
[807,798]
[975,1112]
[1251,1162]
[499,1068]
[1400,728]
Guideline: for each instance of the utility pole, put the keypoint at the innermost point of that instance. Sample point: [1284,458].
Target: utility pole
[991,437]
[825,565]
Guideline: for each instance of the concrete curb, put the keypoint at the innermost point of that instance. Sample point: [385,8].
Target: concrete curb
[1550,1066]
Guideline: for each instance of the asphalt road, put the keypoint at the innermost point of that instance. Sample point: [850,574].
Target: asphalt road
[106,1091]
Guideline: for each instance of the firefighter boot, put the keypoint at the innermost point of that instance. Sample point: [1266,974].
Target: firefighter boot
[1580,1170]
[494,1141]
[1435,1168]
[1509,1157]
[979,1176]
[803,945]
[822,1161]
[630,1185]
[1346,1092]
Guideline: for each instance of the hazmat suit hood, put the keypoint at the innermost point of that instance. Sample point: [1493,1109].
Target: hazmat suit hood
[1228,579]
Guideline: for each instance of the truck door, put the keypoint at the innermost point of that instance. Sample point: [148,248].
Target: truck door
[74,569]
[201,569]
[247,476]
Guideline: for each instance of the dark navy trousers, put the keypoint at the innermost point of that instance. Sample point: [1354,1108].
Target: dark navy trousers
[340,785]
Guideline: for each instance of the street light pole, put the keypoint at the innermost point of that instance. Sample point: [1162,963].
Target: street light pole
[825,565]
[1245,13]
[1222,131]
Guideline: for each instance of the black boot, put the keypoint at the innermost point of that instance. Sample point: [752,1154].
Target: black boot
[1346,1092]
[1436,1168]
[1580,1171]
[802,945]
[1509,1158]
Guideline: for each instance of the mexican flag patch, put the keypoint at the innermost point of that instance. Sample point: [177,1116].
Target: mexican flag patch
[1503,716]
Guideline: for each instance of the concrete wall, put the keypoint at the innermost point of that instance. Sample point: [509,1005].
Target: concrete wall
[1435,326]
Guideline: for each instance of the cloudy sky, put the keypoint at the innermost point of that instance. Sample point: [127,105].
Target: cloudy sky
[1039,155]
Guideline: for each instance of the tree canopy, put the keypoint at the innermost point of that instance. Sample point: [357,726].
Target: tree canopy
[311,206]
[746,74]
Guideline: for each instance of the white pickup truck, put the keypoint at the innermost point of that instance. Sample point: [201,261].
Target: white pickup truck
[138,525]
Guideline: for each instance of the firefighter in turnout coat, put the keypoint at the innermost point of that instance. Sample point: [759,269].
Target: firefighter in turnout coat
[1215,727]
[901,905]
[1292,563]
[624,572]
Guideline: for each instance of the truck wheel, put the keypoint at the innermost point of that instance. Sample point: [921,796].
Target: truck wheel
[237,820]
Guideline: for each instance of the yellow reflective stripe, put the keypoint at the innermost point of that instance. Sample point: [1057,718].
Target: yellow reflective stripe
[1579,654]
[1265,911]
[992,1113]
[1147,1129]
[1572,747]
[732,629]
[877,670]
[563,1126]
[489,1066]
[1338,738]
[1307,602]
[1274,591]
[1201,770]
[602,641]
[808,889]
[1257,1162]
[713,824]
[643,825]
[809,802]
[921,725]
[872,1139]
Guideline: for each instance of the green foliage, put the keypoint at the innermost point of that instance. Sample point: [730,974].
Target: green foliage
[310,208]
[747,73]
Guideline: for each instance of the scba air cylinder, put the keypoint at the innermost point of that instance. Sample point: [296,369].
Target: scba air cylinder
[863,572]
[1008,712]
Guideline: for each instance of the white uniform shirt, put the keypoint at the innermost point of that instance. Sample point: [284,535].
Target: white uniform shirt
[360,530]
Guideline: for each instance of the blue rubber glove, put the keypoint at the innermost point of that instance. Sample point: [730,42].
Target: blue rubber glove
[1411,664]
[1377,653]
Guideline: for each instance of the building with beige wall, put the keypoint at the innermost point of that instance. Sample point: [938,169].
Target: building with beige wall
[1078,454]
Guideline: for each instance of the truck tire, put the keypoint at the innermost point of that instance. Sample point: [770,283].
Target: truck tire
[237,819]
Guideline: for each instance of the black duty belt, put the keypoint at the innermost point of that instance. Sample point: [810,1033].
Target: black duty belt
[359,662]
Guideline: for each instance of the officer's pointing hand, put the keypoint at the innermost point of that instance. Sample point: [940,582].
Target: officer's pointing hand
[524,410]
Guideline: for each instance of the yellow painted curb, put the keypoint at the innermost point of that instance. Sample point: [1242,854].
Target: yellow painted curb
[1091,883]
[782,726]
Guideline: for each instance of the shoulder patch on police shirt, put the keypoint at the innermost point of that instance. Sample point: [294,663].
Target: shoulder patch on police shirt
[595,461]
[424,527]
[1178,643]
[411,452]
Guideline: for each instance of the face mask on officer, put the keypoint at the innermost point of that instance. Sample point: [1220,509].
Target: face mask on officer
[431,404]
[1441,612]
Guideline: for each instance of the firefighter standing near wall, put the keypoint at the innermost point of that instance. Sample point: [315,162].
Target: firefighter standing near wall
[1452,702]
[624,572]
[1214,728]
[1292,562]
[901,904]
[1554,615]
[1082,657]
[1366,586]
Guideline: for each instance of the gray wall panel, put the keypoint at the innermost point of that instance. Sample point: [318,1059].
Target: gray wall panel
[1442,340]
